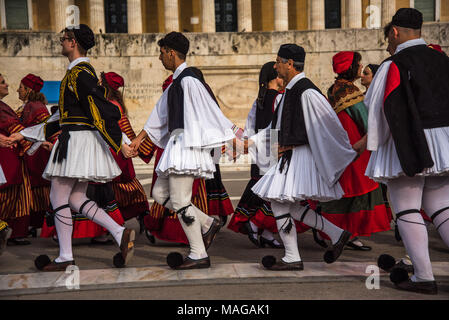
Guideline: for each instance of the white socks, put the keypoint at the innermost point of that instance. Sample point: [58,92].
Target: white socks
[59,196]
[406,194]
[290,239]
[193,233]
[99,216]
[316,221]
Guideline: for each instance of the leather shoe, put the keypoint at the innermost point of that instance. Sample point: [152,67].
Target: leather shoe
[209,236]
[285,266]
[354,246]
[190,263]
[252,235]
[272,243]
[58,266]
[332,254]
[127,244]
[407,267]
[425,287]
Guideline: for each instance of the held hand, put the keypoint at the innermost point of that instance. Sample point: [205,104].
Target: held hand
[135,144]
[15,137]
[47,145]
[128,152]
[7,142]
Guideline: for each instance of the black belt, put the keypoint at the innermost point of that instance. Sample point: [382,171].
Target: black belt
[64,137]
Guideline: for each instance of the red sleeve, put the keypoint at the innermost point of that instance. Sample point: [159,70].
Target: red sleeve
[393,80]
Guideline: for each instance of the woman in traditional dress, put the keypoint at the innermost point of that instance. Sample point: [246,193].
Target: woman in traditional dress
[32,112]
[15,193]
[362,210]
[253,216]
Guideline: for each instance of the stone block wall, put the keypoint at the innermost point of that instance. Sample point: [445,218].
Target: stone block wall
[230,61]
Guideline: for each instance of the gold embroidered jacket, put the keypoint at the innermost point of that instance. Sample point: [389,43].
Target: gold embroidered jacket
[83,101]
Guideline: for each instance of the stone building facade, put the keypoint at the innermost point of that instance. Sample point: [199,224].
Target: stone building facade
[230,40]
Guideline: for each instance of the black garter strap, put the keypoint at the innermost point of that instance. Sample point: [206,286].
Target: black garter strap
[433,216]
[61,207]
[405,212]
[165,202]
[304,214]
[52,214]
[286,228]
[436,214]
[83,205]
[182,212]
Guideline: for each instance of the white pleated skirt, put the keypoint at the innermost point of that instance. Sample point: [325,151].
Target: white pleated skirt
[179,159]
[88,159]
[300,182]
[384,163]
[2,176]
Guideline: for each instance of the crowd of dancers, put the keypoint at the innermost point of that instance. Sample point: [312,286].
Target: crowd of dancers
[344,164]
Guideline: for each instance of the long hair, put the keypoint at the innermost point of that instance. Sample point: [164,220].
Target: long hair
[351,73]
[267,73]
[114,95]
[37,96]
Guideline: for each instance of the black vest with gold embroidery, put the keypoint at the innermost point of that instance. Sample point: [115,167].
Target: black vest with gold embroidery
[83,102]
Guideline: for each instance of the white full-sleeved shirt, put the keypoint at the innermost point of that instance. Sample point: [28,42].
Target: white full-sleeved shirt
[378,129]
[328,140]
[205,125]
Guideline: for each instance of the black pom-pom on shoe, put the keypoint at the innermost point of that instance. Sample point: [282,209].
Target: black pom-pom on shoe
[118,260]
[42,261]
[386,262]
[268,261]
[328,257]
[398,275]
[174,259]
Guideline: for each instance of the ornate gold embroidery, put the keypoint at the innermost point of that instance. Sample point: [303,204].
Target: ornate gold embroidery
[99,122]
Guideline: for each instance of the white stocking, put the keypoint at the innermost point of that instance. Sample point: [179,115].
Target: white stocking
[406,193]
[316,221]
[59,196]
[93,212]
[436,199]
[290,239]
[180,189]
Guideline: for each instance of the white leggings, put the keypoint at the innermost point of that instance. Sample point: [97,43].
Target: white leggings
[69,191]
[412,194]
[175,193]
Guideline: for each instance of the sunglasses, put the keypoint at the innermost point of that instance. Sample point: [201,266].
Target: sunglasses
[62,39]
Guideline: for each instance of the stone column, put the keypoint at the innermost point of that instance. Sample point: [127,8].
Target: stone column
[171,15]
[388,11]
[134,9]
[316,9]
[208,15]
[61,14]
[281,15]
[244,19]
[354,14]
[97,23]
